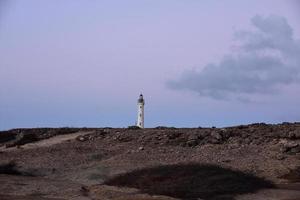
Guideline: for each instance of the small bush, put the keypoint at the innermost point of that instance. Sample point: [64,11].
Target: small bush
[134,127]
[97,156]
[96,177]
[164,127]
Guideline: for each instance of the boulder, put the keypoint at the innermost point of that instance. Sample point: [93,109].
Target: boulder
[216,135]
[294,134]
[289,146]
[81,138]
[141,148]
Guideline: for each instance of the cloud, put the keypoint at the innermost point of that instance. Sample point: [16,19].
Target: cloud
[267,59]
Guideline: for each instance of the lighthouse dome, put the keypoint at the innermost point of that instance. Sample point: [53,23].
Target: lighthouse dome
[141,99]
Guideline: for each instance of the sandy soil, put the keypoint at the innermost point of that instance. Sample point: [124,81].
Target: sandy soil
[48,142]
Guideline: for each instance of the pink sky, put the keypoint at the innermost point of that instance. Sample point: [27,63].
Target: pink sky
[84,63]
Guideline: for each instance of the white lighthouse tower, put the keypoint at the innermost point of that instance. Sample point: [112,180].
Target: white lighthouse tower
[140,119]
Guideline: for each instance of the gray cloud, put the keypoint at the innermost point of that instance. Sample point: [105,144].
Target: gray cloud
[267,58]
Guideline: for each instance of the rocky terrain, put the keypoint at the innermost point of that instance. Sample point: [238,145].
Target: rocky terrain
[257,161]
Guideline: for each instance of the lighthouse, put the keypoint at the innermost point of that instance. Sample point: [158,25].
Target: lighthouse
[140,118]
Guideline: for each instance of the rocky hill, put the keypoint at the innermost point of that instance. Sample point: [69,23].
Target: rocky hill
[257,161]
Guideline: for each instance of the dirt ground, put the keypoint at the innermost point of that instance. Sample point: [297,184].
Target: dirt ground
[257,161]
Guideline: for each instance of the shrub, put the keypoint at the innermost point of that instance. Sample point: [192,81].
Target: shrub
[134,127]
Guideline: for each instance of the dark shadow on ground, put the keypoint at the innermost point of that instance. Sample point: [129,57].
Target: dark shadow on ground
[9,168]
[12,169]
[191,181]
[28,197]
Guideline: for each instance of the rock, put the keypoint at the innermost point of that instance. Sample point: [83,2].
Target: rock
[81,138]
[297,134]
[279,157]
[215,141]
[287,146]
[124,138]
[290,145]
[294,134]
[172,136]
[141,148]
[247,141]
[216,135]
[233,146]
[105,131]
[295,149]
[283,149]
[291,135]
[192,143]
[226,160]
[84,190]
[158,137]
